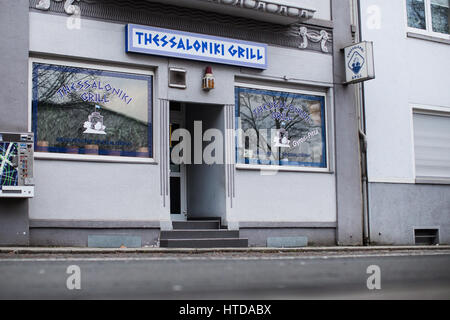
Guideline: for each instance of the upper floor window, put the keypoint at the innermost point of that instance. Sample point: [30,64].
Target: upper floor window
[432,145]
[430,16]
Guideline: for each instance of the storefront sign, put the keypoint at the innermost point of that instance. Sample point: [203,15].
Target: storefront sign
[359,65]
[193,46]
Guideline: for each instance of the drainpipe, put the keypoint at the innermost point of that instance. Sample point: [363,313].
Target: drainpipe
[363,143]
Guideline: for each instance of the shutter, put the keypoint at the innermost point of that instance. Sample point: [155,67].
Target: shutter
[432,145]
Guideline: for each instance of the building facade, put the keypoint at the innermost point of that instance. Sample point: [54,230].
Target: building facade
[113,91]
[407,121]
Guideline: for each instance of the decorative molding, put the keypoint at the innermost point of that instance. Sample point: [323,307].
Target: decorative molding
[164,149]
[323,37]
[69,7]
[270,7]
[220,24]
[230,166]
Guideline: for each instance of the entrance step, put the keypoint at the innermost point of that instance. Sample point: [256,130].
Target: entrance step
[199,234]
[196,224]
[204,243]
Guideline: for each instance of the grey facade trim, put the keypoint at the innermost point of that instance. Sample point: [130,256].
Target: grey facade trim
[257,237]
[164,110]
[396,210]
[14,21]
[193,20]
[286,225]
[230,166]
[320,23]
[79,237]
[93,224]
[426,37]
[432,180]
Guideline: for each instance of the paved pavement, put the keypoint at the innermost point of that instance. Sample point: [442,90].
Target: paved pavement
[224,275]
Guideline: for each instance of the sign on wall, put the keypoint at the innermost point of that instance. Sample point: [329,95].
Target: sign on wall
[193,46]
[359,64]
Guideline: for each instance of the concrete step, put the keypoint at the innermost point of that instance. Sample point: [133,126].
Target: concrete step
[199,234]
[204,243]
[196,224]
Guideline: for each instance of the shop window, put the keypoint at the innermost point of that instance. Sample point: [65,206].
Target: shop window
[91,111]
[431,16]
[432,145]
[280,128]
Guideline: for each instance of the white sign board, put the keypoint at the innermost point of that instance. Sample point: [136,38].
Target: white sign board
[359,64]
[193,46]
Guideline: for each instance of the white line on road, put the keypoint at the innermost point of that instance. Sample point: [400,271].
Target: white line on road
[289,258]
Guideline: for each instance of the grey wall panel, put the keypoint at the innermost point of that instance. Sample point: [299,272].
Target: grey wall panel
[14,66]
[348,176]
[14,222]
[79,237]
[396,209]
[14,106]
[257,237]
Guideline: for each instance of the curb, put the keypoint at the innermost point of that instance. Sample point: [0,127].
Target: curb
[73,250]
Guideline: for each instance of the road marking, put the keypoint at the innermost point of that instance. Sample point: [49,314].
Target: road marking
[288,258]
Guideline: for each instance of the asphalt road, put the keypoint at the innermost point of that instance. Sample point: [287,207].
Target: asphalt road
[407,275]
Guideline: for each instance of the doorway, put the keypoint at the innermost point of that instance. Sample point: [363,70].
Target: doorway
[197,187]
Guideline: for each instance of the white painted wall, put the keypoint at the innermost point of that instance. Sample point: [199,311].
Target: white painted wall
[77,190]
[66,189]
[408,71]
[285,197]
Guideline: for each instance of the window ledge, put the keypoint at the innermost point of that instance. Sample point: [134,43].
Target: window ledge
[91,158]
[427,37]
[432,180]
[271,169]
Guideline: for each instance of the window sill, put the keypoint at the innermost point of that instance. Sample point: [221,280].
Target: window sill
[427,37]
[432,180]
[271,169]
[91,158]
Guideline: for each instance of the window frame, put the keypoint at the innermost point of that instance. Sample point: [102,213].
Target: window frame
[428,22]
[431,111]
[101,67]
[327,116]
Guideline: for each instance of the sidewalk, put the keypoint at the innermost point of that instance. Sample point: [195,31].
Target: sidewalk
[149,250]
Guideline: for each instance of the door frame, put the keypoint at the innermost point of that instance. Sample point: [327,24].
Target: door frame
[179,117]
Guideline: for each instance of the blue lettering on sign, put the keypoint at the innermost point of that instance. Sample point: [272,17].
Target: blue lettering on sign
[232,51]
[181,45]
[172,42]
[148,38]
[193,46]
[164,41]
[188,46]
